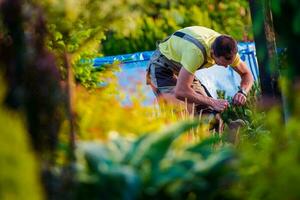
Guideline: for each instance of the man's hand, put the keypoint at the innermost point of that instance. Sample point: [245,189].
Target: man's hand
[219,104]
[239,99]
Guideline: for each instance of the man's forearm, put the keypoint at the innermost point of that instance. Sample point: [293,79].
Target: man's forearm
[247,82]
[193,97]
[246,76]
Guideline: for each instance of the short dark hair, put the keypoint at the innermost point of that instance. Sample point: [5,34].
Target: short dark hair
[225,45]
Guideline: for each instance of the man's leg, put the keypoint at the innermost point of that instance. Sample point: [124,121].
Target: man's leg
[200,90]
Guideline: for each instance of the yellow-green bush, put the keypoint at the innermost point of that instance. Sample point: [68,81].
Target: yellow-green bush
[100,112]
[19,173]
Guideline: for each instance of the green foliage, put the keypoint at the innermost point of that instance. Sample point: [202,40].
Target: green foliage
[269,167]
[19,174]
[159,19]
[76,28]
[247,117]
[244,112]
[151,168]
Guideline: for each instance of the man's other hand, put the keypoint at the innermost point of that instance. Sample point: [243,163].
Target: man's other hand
[239,99]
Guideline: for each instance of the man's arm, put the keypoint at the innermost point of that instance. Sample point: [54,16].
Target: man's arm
[246,76]
[183,90]
[246,82]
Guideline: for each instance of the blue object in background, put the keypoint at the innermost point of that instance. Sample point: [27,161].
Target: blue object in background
[133,72]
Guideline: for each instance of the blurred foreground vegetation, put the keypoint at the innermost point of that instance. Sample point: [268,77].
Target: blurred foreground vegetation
[19,171]
[66,139]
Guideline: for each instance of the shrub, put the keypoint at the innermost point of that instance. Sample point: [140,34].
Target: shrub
[150,168]
[269,165]
[19,173]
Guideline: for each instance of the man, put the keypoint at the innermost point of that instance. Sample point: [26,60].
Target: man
[171,68]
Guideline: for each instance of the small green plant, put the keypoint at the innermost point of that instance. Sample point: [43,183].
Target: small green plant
[244,112]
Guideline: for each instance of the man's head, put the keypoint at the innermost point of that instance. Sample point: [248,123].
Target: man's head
[224,50]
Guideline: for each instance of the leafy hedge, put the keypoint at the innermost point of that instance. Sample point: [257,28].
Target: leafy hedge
[161,18]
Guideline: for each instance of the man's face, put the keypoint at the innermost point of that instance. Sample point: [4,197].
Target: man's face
[222,61]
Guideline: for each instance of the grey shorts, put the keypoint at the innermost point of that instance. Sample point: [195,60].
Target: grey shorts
[162,75]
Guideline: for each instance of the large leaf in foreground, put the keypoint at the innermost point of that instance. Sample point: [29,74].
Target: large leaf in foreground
[154,147]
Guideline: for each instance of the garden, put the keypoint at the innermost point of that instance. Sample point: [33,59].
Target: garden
[67,134]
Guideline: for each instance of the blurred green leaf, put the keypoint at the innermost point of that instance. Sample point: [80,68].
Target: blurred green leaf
[205,147]
[155,146]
